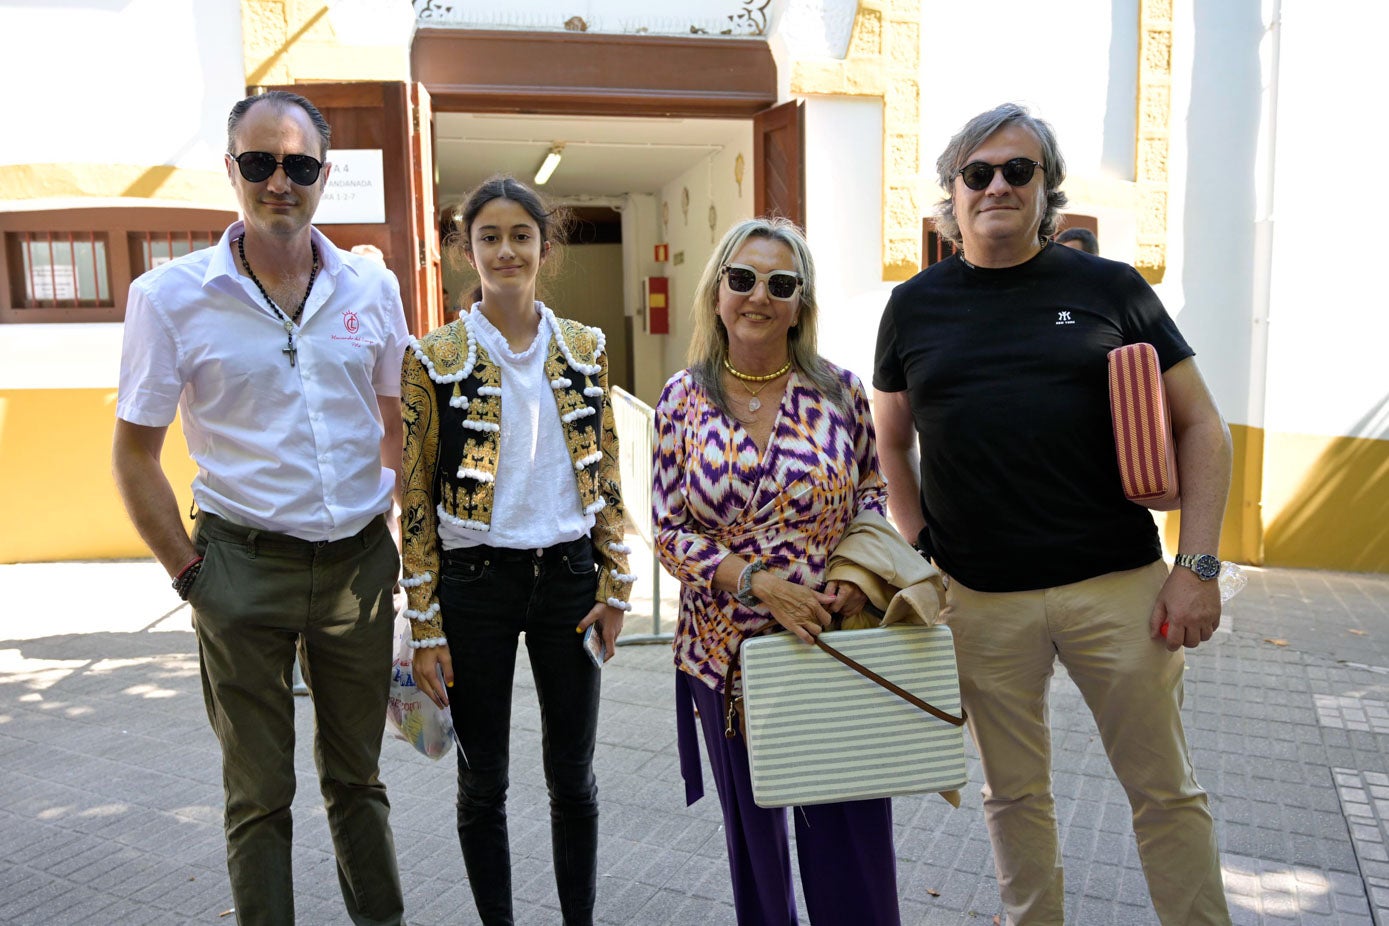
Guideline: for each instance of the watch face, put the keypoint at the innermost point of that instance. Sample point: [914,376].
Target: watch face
[1206,566]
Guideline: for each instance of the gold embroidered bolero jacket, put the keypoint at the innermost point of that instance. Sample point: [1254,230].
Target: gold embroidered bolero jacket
[451,399]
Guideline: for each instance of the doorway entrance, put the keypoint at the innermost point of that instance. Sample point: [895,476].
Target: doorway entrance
[666,140]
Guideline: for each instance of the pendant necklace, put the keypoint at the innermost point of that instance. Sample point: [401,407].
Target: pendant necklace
[288,321]
[754,403]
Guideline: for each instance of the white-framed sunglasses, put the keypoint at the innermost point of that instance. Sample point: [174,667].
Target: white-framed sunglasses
[781,284]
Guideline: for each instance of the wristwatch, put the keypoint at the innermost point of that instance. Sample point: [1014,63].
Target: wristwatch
[1205,566]
[744,594]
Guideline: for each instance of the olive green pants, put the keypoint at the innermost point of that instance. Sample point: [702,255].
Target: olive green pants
[260,599]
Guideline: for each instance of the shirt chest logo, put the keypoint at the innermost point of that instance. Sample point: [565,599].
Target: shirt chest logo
[1063,317]
[350,322]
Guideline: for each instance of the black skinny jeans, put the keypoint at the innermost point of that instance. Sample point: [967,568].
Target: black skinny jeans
[488,597]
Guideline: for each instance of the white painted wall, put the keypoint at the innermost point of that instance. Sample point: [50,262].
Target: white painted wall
[1073,63]
[1329,316]
[641,230]
[689,233]
[144,82]
[844,189]
[1213,198]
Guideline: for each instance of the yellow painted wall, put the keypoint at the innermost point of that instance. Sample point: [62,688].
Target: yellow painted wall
[296,41]
[1326,502]
[58,500]
[205,188]
[1304,501]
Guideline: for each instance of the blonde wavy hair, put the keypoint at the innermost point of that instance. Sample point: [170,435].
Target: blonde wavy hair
[709,341]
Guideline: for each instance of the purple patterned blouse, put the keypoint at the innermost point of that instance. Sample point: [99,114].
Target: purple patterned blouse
[788,506]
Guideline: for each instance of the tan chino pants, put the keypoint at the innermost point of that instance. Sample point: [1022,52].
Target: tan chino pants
[1006,645]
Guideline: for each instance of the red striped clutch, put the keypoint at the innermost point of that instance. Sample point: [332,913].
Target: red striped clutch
[1142,428]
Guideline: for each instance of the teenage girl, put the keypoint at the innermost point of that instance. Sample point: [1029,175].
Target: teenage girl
[512,523]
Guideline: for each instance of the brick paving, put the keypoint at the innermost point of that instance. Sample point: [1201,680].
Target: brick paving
[110,797]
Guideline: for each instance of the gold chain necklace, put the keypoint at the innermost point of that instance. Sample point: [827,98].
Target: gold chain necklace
[754,403]
[750,378]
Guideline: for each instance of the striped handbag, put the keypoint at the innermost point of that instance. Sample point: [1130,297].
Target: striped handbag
[849,719]
[1142,428]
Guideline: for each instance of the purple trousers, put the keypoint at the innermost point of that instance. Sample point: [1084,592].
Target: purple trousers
[844,851]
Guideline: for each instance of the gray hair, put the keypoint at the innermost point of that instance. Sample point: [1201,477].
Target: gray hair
[709,341]
[282,99]
[974,134]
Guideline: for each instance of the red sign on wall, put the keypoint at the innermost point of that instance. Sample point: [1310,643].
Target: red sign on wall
[658,304]
[662,253]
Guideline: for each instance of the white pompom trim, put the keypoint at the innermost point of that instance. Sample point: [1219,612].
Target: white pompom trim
[593,391]
[425,644]
[576,414]
[596,507]
[428,364]
[465,472]
[615,547]
[459,401]
[488,390]
[460,522]
[622,576]
[424,615]
[560,382]
[592,458]
[588,369]
[417,581]
[619,604]
[480,425]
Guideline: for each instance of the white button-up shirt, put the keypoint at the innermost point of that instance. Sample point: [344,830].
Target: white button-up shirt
[294,449]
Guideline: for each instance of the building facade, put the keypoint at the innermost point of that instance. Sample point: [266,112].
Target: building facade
[1196,135]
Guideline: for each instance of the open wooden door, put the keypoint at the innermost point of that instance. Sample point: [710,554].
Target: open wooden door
[778,154]
[393,117]
[429,275]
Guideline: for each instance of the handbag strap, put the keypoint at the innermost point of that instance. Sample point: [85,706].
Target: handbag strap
[898,690]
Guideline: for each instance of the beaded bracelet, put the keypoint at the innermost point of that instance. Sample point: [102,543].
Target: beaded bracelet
[183,582]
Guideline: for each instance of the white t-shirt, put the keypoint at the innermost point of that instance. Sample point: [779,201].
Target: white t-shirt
[536,500]
[294,449]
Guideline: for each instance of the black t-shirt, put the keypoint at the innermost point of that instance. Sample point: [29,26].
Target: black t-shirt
[1007,377]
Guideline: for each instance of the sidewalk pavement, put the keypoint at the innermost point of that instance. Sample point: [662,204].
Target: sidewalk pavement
[111,802]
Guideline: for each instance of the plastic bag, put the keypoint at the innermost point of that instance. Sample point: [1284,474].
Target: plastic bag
[410,715]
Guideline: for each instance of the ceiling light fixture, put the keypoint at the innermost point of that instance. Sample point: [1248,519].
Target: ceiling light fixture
[547,167]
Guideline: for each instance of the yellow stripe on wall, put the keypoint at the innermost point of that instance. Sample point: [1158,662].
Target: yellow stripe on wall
[1303,501]
[203,188]
[1326,502]
[58,500]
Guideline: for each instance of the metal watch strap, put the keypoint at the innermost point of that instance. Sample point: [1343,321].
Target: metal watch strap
[1194,561]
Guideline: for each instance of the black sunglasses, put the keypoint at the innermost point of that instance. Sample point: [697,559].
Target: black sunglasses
[781,284]
[1018,172]
[256,166]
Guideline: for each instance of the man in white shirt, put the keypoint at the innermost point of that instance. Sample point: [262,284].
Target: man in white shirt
[282,355]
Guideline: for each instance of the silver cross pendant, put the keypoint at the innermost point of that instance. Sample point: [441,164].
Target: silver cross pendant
[289,347]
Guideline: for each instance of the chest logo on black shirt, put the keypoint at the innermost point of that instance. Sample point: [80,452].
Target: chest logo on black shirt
[1064,318]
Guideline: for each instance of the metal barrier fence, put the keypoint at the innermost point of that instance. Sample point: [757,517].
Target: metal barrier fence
[636,434]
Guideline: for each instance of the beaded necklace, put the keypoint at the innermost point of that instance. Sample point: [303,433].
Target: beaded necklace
[288,321]
[754,403]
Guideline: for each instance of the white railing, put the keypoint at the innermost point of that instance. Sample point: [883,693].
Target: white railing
[636,435]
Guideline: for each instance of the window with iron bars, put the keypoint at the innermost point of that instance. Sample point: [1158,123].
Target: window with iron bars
[59,269]
[76,265]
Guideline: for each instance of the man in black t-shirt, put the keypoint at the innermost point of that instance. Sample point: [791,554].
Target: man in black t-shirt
[992,363]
